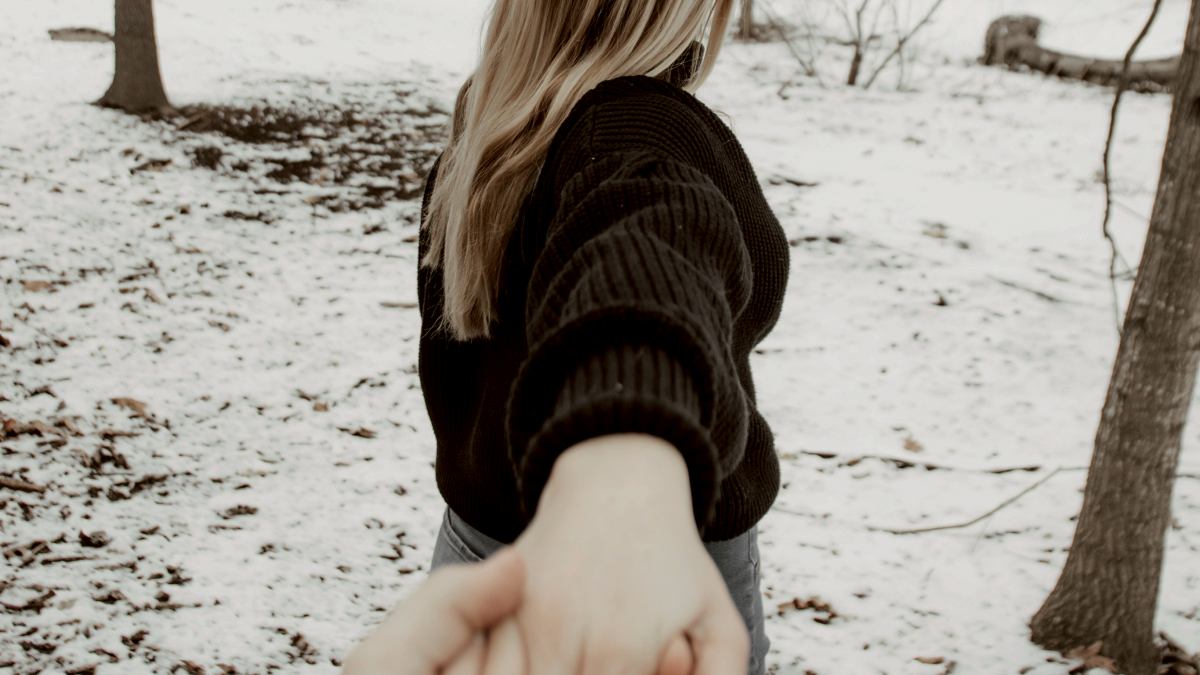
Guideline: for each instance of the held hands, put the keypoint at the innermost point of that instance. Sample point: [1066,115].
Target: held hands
[615,580]
[442,619]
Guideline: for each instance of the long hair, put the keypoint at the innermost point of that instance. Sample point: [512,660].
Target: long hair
[538,59]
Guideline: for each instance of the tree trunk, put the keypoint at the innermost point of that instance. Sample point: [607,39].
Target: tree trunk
[1108,590]
[855,64]
[745,29]
[137,84]
[1013,41]
[861,42]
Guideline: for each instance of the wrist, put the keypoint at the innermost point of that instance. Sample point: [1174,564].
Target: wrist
[621,472]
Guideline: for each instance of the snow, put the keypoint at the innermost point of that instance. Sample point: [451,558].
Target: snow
[948,307]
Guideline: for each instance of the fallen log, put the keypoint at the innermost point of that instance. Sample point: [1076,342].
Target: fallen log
[1012,41]
[80,35]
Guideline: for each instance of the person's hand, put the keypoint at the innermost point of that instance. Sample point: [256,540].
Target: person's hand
[443,622]
[618,579]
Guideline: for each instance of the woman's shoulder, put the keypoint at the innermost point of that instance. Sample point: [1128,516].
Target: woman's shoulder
[639,112]
[642,100]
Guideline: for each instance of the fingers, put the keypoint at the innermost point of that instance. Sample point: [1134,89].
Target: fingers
[439,620]
[470,661]
[488,591]
[677,658]
[720,642]
[460,600]
[506,650]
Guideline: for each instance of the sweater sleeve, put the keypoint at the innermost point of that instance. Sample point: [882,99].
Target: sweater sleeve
[629,314]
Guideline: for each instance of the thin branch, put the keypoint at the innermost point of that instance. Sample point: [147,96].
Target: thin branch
[860,45]
[809,65]
[900,65]
[903,463]
[1012,284]
[973,521]
[903,41]
[844,12]
[1122,84]
[875,19]
[1131,211]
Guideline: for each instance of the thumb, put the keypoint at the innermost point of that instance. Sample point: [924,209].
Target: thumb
[473,597]
[720,642]
[488,591]
[677,658]
[460,600]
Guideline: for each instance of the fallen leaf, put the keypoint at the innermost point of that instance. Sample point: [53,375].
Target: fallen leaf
[36,286]
[132,641]
[33,605]
[935,230]
[931,660]
[20,485]
[97,539]
[826,613]
[1101,662]
[1083,653]
[361,432]
[138,408]
[151,165]
[110,597]
[239,510]
[10,428]
[108,433]
[912,445]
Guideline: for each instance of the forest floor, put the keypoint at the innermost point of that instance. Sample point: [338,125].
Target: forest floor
[215,455]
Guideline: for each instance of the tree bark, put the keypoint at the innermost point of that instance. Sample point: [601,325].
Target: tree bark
[1013,41]
[860,44]
[745,29]
[137,83]
[855,65]
[1108,589]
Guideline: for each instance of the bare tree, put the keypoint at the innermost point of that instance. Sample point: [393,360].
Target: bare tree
[807,45]
[1108,589]
[858,35]
[861,20]
[903,37]
[137,83]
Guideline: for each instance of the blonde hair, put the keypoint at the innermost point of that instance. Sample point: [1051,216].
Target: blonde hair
[538,59]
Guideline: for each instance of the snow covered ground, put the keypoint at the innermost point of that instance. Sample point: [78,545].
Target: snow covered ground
[234,403]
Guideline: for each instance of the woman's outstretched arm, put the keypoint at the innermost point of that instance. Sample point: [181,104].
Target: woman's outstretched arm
[631,302]
[628,412]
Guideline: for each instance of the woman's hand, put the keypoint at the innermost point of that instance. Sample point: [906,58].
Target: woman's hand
[444,621]
[617,574]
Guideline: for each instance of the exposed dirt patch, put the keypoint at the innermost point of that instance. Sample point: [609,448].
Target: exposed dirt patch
[360,146]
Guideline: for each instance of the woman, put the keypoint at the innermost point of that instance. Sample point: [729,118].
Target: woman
[596,263]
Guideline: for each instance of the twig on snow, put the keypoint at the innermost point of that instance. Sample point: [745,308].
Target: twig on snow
[903,463]
[1005,503]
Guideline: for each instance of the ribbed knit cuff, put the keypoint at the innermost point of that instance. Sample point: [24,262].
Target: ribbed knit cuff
[618,389]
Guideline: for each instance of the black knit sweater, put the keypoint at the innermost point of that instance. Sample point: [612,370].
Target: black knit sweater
[643,269]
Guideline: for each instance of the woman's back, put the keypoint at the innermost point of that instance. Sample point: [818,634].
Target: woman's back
[644,268]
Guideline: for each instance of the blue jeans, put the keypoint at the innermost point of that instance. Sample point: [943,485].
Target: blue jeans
[736,558]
